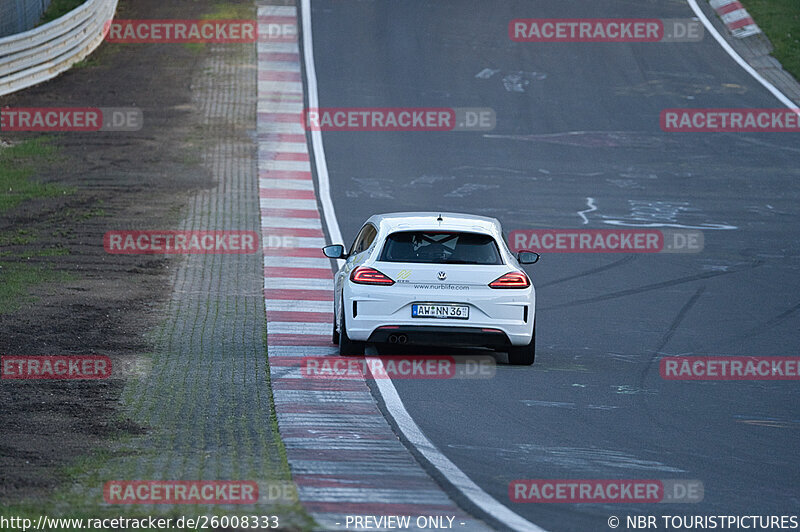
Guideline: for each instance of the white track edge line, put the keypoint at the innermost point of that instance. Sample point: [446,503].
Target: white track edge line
[394,404]
[454,475]
[331,221]
[736,57]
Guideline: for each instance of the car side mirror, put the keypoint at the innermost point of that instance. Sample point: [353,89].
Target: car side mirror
[527,257]
[336,251]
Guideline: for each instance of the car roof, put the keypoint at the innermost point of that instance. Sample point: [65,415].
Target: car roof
[400,221]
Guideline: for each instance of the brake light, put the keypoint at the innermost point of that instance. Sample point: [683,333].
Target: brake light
[511,280]
[364,275]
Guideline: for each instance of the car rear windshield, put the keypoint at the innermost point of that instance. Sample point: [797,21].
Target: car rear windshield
[440,248]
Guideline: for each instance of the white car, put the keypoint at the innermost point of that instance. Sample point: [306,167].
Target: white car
[434,279]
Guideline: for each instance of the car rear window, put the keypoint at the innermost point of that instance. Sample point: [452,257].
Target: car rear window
[437,247]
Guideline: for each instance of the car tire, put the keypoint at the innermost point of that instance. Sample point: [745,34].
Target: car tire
[523,355]
[335,333]
[347,347]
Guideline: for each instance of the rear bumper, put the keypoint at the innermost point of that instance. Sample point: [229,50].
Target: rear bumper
[496,318]
[447,332]
[440,336]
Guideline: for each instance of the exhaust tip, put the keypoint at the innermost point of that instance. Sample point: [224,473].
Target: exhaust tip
[392,338]
[402,338]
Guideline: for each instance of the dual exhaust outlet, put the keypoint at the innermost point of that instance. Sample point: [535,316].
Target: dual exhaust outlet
[397,338]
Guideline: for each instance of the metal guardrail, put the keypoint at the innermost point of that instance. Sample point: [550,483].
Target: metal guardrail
[42,53]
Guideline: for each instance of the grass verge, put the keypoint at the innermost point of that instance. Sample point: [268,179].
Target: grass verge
[59,8]
[16,279]
[780,21]
[225,11]
[17,164]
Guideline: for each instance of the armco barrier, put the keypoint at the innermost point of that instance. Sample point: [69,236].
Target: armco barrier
[43,53]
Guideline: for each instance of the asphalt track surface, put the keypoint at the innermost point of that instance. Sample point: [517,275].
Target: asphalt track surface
[578,121]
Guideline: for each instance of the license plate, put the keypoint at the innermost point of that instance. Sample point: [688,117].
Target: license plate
[458,312]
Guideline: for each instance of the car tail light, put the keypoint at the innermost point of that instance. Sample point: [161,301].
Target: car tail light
[364,275]
[511,280]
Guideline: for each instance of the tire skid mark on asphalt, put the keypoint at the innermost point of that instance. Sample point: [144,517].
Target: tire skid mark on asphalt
[647,288]
[593,271]
[768,324]
[679,317]
[344,456]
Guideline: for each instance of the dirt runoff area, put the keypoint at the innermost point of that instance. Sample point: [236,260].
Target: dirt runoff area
[72,297]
